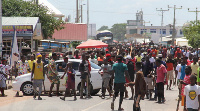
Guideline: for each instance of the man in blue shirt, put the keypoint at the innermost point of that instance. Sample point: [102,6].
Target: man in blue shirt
[183,66]
[119,80]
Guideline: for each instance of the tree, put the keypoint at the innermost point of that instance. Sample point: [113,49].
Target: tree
[119,31]
[19,8]
[75,43]
[192,33]
[103,28]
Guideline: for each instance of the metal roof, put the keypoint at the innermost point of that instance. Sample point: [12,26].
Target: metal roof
[20,21]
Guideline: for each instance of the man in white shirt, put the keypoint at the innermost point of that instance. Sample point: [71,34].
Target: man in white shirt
[192,95]
[151,59]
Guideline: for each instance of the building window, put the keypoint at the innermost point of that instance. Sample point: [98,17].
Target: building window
[171,31]
[143,31]
[132,31]
[181,32]
[152,30]
[163,31]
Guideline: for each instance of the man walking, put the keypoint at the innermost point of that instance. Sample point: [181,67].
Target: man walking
[85,73]
[119,80]
[53,74]
[161,79]
[38,72]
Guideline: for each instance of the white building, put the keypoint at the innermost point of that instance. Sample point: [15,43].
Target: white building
[137,27]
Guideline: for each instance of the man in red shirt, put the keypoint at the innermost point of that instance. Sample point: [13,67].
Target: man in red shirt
[190,60]
[170,68]
[177,51]
[154,52]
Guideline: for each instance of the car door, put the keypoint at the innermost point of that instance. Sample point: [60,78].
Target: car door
[96,78]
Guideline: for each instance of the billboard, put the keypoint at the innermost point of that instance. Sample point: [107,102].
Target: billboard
[20,29]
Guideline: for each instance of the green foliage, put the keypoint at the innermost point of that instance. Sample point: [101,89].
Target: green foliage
[192,33]
[75,43]
[19,8]
[119,31]
[103,28]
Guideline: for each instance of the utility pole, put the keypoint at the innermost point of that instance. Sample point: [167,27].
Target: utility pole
[77,12]
[162,11]
[195,12]
[87,18]
[174,29]
[1,43]
[145,29]
[81,13]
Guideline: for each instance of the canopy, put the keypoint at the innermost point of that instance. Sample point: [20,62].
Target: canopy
[92,44]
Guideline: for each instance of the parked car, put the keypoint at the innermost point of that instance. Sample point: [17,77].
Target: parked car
[23,83]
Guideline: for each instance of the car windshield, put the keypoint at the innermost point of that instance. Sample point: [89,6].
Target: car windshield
[93,65]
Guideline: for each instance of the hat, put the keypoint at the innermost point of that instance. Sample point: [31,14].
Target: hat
[108,55]
[107,50]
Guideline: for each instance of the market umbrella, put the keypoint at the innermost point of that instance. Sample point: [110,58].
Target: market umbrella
[92,44]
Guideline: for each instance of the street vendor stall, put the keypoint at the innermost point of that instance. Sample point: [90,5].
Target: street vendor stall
[92,44]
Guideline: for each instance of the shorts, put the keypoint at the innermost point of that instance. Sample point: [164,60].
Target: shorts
[2,83]
[149,82]
[106,82]
[170,75]
[119,87]
[37,82]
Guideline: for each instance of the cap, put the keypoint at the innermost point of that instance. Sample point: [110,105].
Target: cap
[108,55]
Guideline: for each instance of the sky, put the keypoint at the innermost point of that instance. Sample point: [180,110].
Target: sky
[109,12]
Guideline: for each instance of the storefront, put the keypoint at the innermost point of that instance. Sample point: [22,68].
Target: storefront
[28,30]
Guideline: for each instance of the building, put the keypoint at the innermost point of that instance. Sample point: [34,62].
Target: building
[28,30]
[138,27]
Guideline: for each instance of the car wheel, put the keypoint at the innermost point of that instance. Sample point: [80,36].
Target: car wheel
[95,91]
[27,88]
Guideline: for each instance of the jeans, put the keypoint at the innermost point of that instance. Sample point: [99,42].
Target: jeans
[37,83]
[83,81]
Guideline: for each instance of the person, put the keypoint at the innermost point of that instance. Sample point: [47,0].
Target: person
[76,55]
[70,82]
[84,70]
[38,72]
[22,68]
[131,72]
[3,76]
[172,51]
[44,60]
[183,66]
[118,69]
[70,56]
[185,82]
[154,52]
[92,59]
[31,61]
[161,72]
[53,74]
[140,87]
[190,60]
[151,59]
[195,66]
[192,95]
[170,70]
[139,58]
[105,77]
[147,68]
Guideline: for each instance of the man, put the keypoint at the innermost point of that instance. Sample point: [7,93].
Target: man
[38,72]
[147,68]
[85,74]
[139,58]
[195,66]
[44,60]
[53,74]
[92,59]
[170,70]
[119,80]
[161,79]
[70,56]
[190,60]
[3,76]
[154,52]
[22,68]
[30,62]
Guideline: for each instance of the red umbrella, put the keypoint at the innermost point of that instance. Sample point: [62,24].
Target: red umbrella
[92,44]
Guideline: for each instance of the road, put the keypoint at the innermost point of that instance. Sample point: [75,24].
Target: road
[27,103]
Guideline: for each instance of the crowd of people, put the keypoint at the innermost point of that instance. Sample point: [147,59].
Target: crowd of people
[143,69]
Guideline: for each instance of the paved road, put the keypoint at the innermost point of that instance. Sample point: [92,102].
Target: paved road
[94,104]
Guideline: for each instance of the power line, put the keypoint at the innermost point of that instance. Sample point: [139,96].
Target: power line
[162,11]
[196,11]
[174,30]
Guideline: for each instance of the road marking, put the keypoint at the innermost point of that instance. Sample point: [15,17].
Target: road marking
[95,105]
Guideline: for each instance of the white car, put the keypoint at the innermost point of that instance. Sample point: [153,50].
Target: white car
[23,83]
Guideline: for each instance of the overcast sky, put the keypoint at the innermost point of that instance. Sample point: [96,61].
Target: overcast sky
[109,12]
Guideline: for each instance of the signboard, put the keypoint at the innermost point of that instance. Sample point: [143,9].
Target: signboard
[20,29]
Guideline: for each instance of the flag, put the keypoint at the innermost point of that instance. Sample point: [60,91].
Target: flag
[14,53]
